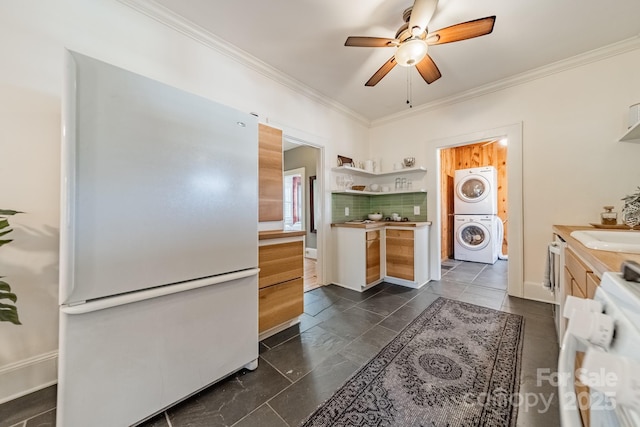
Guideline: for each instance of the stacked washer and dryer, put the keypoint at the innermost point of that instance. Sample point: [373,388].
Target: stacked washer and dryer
[478,228]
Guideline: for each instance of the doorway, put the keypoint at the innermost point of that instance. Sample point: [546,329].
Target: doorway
[294,199]
[301,202]
[513,133]
[485,153]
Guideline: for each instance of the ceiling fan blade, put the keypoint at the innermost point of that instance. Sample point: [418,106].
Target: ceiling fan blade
[462,31]
[370,42]
[421,14]
[383,71]
[428,70]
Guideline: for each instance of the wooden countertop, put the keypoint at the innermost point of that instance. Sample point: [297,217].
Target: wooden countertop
[279,234]
[600,261]
[381,224]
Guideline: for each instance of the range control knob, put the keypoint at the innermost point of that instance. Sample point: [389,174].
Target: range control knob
[596,328]
[572,304]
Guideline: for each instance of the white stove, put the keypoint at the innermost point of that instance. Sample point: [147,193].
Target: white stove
[607,329]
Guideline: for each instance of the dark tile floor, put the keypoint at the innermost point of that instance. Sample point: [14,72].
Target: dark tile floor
[340,331]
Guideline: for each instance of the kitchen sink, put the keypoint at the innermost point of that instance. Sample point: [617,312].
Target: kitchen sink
[612,241]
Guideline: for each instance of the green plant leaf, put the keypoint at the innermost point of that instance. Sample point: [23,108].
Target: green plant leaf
[8,307]
[8,312]
[9,315]
[9,295]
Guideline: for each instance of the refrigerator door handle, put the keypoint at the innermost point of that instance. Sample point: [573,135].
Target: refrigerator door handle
[103,303]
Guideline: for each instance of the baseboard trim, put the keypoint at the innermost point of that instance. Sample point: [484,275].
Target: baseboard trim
[537,292]
[27,376]
[311,253]
[279,328]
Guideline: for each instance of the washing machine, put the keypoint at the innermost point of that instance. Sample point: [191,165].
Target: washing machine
[476,191]
[476,238]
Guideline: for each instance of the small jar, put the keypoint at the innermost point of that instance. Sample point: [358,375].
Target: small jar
[608,217]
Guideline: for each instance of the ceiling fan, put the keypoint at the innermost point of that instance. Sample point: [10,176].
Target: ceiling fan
[412,40]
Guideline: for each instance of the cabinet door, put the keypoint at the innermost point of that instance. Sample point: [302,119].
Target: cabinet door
[399,247]
[373,256]
[583,397]
[280,303]
[270,179]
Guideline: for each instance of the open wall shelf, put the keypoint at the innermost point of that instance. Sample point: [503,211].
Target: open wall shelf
[362,172]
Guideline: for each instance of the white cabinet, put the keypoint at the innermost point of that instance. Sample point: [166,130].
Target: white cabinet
[357,257]
[396,254]
[407,255]
[363,177]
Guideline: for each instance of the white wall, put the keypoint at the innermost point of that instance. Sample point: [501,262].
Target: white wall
[33,35]
[572,162]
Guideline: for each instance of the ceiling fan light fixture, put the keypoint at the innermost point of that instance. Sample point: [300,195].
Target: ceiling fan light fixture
[411,52]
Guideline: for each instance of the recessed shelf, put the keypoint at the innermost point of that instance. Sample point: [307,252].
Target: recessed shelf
[632,135]
[362,172]
[377,193]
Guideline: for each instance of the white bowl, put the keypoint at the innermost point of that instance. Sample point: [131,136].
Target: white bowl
[374,187]
[375,217]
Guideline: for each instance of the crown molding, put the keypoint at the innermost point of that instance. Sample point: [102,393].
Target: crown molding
[167,17]
[595,55]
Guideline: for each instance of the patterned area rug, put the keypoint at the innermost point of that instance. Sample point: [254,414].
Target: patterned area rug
[456,364]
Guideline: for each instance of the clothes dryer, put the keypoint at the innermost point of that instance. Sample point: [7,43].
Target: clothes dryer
[476,238]
[476,191]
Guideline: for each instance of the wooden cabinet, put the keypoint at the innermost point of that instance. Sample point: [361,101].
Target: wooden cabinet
[580,279]
[407,255]
[583,397]
[400,254]
[280,283]
[373,256]
[581,282]
[280,263]
[270,179]
[279,304]
[357,257]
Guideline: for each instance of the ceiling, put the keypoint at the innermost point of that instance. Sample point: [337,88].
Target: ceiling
[304,39]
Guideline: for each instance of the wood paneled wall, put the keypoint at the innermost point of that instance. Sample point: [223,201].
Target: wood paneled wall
[490,153]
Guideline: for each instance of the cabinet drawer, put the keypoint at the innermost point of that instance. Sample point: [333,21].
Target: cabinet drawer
[373,235]
[280,303]
[576,290]
[577,269]
[593,282]
[279,263]
[401,234]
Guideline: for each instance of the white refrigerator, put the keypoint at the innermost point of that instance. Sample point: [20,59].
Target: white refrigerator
[158,270]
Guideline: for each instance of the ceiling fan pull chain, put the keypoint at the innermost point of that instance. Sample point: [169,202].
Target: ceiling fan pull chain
[409,89]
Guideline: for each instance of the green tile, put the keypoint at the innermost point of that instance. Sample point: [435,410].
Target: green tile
[361,205]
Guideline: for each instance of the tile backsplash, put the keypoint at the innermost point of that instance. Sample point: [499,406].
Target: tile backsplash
[361,205]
